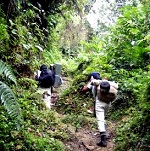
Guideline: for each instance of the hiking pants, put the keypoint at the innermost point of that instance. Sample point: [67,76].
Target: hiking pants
[101,110]
[46,94]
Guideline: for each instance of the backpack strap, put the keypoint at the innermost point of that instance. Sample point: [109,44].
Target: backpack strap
[94,92]
[95,84]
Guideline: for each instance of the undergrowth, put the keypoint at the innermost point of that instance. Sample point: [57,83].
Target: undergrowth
[42,128]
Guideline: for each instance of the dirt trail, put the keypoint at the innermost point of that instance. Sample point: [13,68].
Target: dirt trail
[85,139]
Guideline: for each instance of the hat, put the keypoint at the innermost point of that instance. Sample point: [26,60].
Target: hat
[95,75]
[104,86]
[43,67]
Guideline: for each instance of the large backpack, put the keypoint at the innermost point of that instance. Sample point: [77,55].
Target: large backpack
[46,78]
[106,92]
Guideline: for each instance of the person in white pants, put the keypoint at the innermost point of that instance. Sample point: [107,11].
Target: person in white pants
[92,76]
[101,108]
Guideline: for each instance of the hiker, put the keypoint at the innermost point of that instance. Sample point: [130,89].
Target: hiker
[46,79]
[92,75]
[104,93]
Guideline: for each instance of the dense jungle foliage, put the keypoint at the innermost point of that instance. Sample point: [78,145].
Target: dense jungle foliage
[36,32]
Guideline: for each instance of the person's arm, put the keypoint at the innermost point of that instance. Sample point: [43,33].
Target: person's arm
[87,87]
[37,75]
[36,78]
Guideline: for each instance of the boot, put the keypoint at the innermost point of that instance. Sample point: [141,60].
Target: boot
[103,142]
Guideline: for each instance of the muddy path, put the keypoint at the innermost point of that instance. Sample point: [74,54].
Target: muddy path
[85,138]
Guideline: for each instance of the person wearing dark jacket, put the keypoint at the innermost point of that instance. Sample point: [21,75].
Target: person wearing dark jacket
[46,81]
[46,78]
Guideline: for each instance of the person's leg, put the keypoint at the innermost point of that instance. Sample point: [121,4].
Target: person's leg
[48,98]
[46,92]
[107,106]
[100,115]
[103,142]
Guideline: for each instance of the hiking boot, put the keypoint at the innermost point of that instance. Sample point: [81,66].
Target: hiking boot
[103,142]
[108,136]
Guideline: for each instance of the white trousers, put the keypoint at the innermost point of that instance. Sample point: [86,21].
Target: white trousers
[46,93]
[101,109]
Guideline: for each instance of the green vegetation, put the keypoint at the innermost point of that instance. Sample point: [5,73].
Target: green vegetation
[56,31]
[8,98]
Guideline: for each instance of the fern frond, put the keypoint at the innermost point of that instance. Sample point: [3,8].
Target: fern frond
[6,70]
[9,100]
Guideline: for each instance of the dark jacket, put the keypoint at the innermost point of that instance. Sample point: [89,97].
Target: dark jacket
[46,78]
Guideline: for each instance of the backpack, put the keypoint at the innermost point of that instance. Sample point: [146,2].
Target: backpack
[106,92]
[58,81]
[46,78]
